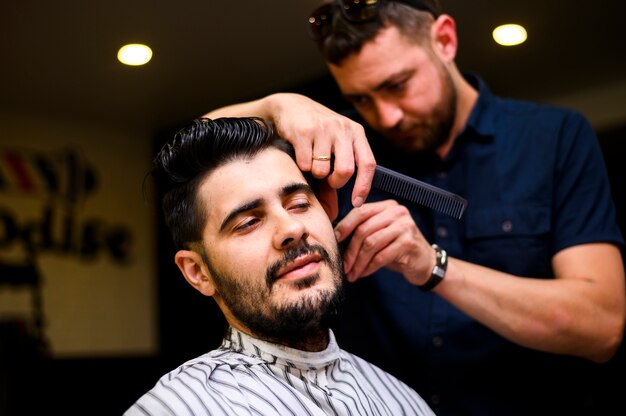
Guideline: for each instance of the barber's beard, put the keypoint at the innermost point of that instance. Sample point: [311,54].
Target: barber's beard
[439,130]
[436,130]
[255,305]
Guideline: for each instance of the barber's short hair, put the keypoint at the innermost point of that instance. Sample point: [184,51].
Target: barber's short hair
[346,38]
[193,152]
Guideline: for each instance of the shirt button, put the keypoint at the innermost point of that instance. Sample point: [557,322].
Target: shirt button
[442,232]
[434,399]
[507,226]
[437,341]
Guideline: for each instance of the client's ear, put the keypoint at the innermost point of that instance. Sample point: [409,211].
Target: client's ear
[325,194]
[195,271]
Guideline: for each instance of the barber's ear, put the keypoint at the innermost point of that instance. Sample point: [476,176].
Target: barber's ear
[444,38]
[195,271]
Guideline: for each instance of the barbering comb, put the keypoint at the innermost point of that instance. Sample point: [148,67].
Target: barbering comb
[419,192]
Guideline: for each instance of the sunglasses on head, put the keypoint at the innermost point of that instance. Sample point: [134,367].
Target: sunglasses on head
[354,11]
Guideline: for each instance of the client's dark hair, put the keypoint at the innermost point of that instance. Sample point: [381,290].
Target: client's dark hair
[195,151]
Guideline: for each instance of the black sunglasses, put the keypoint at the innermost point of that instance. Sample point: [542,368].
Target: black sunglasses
[354,11]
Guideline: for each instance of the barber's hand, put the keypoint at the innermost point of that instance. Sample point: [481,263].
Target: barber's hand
[315,130]
[383,234]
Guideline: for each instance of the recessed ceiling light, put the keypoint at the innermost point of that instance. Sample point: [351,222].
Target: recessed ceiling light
[134,54]
[509,35]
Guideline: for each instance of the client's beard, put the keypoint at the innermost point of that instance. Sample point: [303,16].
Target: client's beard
[292,323]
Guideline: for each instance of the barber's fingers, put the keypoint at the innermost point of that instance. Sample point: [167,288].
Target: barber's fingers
[352,150]
[322,154]
[360,226]
[310,127]
[333,148]
[319,133]
[366,166]
[367,255]
[383,234]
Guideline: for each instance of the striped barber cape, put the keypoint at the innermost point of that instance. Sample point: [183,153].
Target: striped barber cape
[247,376]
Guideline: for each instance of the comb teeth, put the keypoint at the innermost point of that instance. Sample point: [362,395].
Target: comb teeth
[419,192]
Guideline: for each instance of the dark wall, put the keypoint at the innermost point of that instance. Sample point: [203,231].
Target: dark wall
[610,389]
[612,142]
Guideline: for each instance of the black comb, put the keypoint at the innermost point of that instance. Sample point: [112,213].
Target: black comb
[419,192]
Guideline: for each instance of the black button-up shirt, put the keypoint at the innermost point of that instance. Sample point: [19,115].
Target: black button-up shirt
[536,183]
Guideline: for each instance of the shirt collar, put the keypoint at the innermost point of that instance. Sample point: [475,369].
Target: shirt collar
[481,119]
[280,354]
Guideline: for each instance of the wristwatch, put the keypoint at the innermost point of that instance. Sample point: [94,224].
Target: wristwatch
[439,271]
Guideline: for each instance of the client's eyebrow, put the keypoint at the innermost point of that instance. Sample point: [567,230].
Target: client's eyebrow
[296,187]
[248,206]
[239,210]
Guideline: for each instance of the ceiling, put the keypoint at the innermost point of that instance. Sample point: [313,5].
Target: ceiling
[59,58]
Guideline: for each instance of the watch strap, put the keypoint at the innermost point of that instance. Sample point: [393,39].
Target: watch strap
[439,271]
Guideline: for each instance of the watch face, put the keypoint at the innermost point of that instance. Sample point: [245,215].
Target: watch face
[438,271]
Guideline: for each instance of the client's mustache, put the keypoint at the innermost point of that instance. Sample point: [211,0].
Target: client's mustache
[291,255]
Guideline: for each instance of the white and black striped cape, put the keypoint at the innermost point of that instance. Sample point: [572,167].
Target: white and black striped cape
[247,376]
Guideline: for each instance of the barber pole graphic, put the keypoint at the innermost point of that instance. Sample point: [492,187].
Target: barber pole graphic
[72,247]
[62,174]
[59,182]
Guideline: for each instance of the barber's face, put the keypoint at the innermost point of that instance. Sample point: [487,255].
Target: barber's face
[270,247]
[401,89]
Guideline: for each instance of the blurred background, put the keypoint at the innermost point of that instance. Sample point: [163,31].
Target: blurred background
[92,308]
